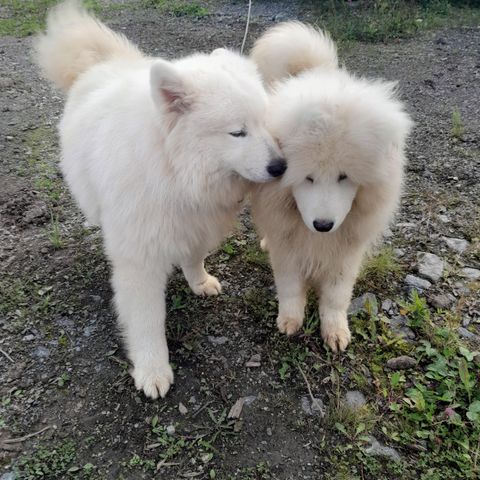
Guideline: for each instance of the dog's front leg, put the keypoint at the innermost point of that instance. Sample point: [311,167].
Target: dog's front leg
[291,291]
[199,280]
[334,298]
[140,302]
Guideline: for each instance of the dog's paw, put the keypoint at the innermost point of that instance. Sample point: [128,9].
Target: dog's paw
[289,325]
[211,286]
[154,380]
[337,337]
[264,244]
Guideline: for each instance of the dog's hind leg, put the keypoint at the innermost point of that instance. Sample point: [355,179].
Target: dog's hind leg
[140,301]
[199,280]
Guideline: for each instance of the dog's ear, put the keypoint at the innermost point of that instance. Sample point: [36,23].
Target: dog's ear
[168,88]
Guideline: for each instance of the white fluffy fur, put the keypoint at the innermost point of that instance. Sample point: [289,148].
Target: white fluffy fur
[290,48]
[148,155]
[329,124]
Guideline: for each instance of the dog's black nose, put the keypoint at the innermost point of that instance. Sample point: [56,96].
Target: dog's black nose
[277,167]
[323,225]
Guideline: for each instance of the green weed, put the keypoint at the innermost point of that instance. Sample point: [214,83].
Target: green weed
[457,125]
[379,269]
[179,8]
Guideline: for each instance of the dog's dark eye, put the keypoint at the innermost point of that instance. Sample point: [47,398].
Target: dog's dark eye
[239,133]
[310,179]
[341,177]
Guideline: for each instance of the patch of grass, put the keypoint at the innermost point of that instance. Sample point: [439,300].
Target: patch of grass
[54,234]
[26,17]
[254,255]
[457,125]
[179,8]
[46,462]
[378,269]
[384,20]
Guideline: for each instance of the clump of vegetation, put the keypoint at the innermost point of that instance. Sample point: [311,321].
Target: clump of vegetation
[46,462]
[378,269]
[457,125]
[179,8]
[26,17]
[384,20]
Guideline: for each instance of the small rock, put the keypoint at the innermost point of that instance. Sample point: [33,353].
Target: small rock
[387,305]
[442,301]
[401,363]
[250,399]
[399,252]
[470,273]
[398,325]
[8,476]
[467,334]
[34,213]
[355,399]
[430,266]
[182,408]
[28,338]
[443,218]
[378,450]
[41,352]
[171,429]
[417,282]
[466,321]
[255,361]
[236,409]
[359,304]
[217,340]
[314,407]
[458,245]
[269,431]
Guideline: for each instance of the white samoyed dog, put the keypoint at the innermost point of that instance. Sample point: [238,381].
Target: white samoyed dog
[159,154]
[343,138]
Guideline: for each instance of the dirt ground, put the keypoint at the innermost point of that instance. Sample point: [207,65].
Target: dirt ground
[62,369]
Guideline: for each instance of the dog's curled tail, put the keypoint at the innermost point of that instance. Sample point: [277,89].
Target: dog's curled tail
[291,48]
[74,41]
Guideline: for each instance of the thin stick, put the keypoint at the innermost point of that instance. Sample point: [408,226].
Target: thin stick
[7,355]
[247,25]
[314,400]
[26,437]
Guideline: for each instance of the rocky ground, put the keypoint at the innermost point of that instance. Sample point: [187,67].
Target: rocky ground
[403,402]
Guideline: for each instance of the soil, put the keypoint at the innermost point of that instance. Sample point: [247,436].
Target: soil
[63,366]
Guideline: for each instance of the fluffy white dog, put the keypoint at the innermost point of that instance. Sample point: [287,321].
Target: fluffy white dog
[343,138]
[160,155]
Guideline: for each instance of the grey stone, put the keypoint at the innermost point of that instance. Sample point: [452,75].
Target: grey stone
[399,252]
[467,334]
[417,282]
[171,429]
[255,361]
[398,325]
[8,476]
[442,301]
[470,273]
[378,450]
[443,218]
[458,245]
[430,266]
[358,304]
[314,407]
[217,340]
[34,213]
[355,399]
[41,352]
[387,305]
[402,362]
[466,321]
[28,338]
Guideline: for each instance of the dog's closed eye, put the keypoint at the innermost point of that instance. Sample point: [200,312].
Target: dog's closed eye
[239,133]
[342,176]
[309,179]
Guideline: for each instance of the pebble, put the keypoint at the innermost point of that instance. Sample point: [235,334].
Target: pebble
[399,252]
[358,304]
[255,361]
[28,338]
[378,450]
[458,245]
[467,334]
[399,326]
[34,213]
[443,218]
[269,431]
[170,429]
[417,282]
[470,273]
[217,340]
[387,305]
[8,476]
[355,399]
[430,266]
[402,362]
[442,301]
[313,407]
[41,352]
